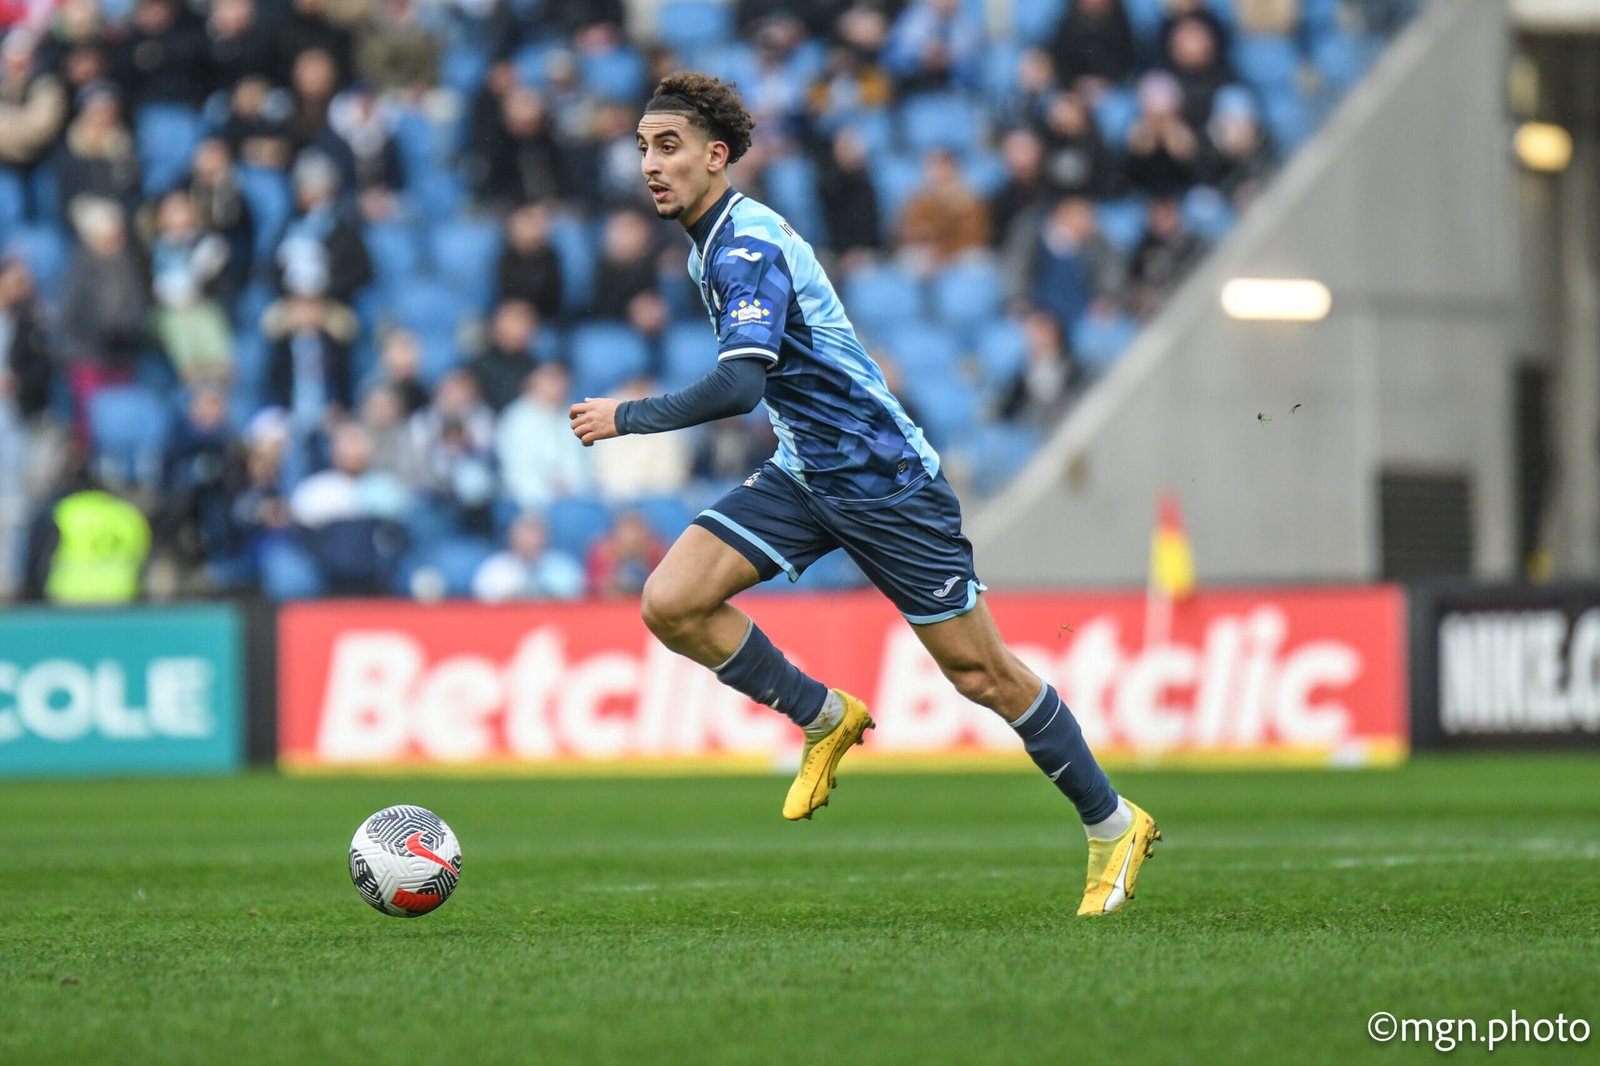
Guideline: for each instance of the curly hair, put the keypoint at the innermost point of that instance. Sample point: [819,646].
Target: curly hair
[711,104]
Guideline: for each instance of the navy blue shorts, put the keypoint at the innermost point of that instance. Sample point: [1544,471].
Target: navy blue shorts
[910,547]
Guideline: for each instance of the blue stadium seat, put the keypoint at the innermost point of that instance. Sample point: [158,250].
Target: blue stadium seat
[434,312]
[574,245]
[791,184]
[267,194]
[617,74]
[1341,59]
[604,355]
[435,193]
[1001,64]
[947,406]
[940,120]
[1035,21]
[128,431]
[575,522]
[985,172]
[414,137]
[462,68]
[922,350]
[687,24]
[1267,61]
[833,572]
[455,560]
[13,200]
[165,136]
[44,248]
[1288,120]
[1122,222]
[878,296]
[466,253]
[1145,16]
[876,127]
[998,451]
[1207,214]
[1098,342]
[1319,16]
[688,351]
[394,250]
[668,515]
[968,293]
[1002,349]
[1115,113]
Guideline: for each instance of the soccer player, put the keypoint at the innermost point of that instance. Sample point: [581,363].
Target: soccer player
[852,471]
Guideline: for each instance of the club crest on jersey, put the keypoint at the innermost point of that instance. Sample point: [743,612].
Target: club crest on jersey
[749,311]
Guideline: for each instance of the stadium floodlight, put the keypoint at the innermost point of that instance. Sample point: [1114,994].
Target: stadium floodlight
[1543,146]
[1276,299]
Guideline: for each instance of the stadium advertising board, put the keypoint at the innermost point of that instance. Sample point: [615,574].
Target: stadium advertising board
[154,690]
[1506,666]
[1260,677]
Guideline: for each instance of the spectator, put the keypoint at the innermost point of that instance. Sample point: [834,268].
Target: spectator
[1163,151]
[627,264]
[221,209]
[621,560]
[258,513]
[849,199]
[1072,262]
[631,467]
[529,268]
[400,367]
[507,361]
[850,83]
[540,460]
[394,448]
[1236,154]
[522,162]
[1023,103]
[730,448]
[455,435]
[364,123]
[187,266]
[1194,56]
[202,466]
[395,52]
[308,373]
[1162,257]
[236,44]
[1093,45]
[86,546]
[106,303]
[314,80]
[33,104]
[322,252]
[347,518]
[161,61]
[96,156]
[257,127]
[936,44]
[24,395]
[1041,391]
[1180,10]
[1019,204]
[308,27]
[944,217]
[528,568]
[1077,162]
[485,125]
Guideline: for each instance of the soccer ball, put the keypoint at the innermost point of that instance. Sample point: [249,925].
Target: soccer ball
[405,861]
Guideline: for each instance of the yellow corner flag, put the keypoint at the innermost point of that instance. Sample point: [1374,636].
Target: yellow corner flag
[1171,560]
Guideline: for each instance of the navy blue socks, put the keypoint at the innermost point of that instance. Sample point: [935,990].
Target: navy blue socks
[759,670]
[1053,738]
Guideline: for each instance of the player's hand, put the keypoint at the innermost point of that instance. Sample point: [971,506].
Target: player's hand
[594,419]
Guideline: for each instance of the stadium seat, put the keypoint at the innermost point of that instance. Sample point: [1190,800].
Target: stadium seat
[997,451]
[1115,112]
[13,200]
[462,69]
[435,193]
[878,296]
[985,172]
[394,250]
[1098,342]
[1002,349]
[668,515]
[894,177]
[922,350]
[466,253]
[876,127]
[947,406]
[1319,16]
[575,522]
[1034,22]
[833,572]
[688,24]
[574,246]
[688,351]
[604,355]
[1267,61]
[1144,16]
[617,74]
[454,560]
[1289,120]
[1001,63]
[414,138]
[791,184]
[1207,214]
[128,432]
[968,293]
[434,312]
[1341,59]
[165,137]
[267,194]
[940,120]
[44,248]
[1122,223]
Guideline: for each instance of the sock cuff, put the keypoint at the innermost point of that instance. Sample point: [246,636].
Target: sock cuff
[749,627]
[1038,701]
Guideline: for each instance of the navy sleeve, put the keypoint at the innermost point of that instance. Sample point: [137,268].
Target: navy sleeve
[733,388]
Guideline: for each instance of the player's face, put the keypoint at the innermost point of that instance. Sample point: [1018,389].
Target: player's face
[680,163]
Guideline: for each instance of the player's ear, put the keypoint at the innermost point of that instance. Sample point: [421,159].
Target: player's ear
[716,156]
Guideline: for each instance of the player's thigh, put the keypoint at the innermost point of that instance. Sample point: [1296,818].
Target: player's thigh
[971,653]
[698,574]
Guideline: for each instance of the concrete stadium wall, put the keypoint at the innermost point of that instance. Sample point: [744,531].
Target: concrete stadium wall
[1404,206]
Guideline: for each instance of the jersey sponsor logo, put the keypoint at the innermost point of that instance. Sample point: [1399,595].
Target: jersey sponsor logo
[746,254]
[749,312]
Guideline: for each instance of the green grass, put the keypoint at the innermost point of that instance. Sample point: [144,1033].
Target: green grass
[918,919]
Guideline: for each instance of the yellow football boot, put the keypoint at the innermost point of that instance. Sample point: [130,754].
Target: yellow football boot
[1114,864]
[819,762]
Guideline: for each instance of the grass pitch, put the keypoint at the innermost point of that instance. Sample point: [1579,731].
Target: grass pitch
[918,919]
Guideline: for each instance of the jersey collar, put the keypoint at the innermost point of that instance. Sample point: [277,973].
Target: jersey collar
[705,227]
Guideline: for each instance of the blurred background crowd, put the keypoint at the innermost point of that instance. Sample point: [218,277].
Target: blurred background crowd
[295,293]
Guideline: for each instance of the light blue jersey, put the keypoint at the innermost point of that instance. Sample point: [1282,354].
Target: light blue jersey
[841,433]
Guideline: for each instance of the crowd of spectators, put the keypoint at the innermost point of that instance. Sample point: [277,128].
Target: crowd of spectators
[314,281]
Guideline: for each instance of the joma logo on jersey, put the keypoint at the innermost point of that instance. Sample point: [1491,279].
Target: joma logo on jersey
[748,312]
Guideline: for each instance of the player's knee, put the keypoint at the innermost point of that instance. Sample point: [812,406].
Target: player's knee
[669,609]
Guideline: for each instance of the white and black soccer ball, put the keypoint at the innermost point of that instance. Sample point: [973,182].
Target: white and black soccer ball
[405,861]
